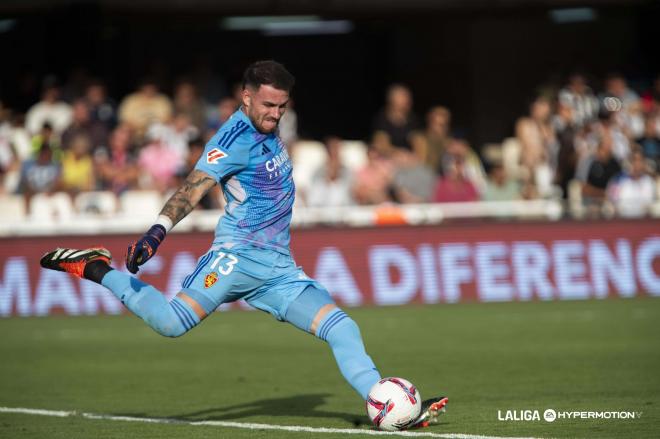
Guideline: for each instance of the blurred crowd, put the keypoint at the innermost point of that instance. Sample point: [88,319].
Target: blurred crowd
[599,147]
[147,141]
[599,150]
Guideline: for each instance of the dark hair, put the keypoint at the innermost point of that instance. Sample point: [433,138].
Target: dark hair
[268,73]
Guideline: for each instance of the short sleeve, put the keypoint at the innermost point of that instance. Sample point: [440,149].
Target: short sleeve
[223,158]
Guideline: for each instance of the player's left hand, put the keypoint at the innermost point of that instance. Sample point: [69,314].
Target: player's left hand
[144,248]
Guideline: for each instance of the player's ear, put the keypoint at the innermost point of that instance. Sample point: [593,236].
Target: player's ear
[246,97]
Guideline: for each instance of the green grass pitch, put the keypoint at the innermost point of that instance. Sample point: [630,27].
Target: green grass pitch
[246,367]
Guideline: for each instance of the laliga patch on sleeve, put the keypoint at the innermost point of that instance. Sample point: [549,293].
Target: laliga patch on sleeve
[214,155]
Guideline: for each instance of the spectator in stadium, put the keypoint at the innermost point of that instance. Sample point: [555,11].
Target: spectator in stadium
[83,125]
[50,110]
[159,164]
[9,160]
[601,169]
[650,98]
[538,145]
[617,86]
[117,168]
[20,139]
[46,138]
[650,141]
[611,124]
[188,102]
[289,125]
[41,174]
[633,192]
[625,105]
[174,135]
[567,157]
[580,99]
[459,149]
[226,107]
[499,187]
[331,184]
[102,108]
[454,186]
[413,181]
[435,138]
[397,119]
[5,133]
[144,107]
[372,181]
[77,166]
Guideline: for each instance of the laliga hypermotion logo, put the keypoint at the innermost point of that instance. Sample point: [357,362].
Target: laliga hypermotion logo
[551,415]
[214,155]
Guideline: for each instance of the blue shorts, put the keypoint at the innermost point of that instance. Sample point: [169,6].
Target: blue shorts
[265,279]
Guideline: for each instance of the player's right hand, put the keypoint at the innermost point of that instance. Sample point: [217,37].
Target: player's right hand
[144,248]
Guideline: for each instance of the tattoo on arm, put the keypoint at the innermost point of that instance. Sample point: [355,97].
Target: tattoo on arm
[184,200]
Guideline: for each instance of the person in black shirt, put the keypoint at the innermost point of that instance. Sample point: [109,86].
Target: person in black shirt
[601,170]
[397,119]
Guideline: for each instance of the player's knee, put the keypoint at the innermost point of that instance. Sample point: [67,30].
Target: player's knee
[172,320]
[169,327]
[172,331]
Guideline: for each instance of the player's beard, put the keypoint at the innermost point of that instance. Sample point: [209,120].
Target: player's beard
[260,127]
[259,123]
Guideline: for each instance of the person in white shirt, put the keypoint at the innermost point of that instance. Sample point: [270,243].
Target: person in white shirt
[633,192]
[49,110]
[580,99]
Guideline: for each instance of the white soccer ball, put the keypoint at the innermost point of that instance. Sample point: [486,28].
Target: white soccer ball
[393,404]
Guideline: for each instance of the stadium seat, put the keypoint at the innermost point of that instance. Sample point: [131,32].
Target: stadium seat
[12,208]
[141,204]
[307,157]
[543,179]
[511,150]
[48,207]
[96,202]
[353,154]
[575,204]
[492,153]
[654,210]
[11,181]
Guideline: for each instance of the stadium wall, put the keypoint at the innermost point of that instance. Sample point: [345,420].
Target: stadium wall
[470,261]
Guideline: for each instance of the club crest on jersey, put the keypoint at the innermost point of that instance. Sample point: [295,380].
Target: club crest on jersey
[214,155]
[210,279]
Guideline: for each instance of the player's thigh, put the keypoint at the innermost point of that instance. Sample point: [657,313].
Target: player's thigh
[219,277]
[309,308]
[302,304]
[291,295]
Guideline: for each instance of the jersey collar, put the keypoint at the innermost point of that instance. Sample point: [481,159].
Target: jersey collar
[242,116]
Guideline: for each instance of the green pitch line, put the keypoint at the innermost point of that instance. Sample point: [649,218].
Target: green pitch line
[247,368]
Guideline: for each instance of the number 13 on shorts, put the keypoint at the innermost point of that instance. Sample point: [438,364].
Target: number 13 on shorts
[226,266]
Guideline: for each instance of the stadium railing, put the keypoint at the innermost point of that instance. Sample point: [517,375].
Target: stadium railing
[92,213]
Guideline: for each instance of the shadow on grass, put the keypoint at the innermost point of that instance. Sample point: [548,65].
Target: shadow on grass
[300,405]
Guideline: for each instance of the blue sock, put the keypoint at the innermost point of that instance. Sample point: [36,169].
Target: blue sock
[171,319]
[343,336]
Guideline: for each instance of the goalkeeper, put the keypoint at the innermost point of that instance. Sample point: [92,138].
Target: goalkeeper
[249,258]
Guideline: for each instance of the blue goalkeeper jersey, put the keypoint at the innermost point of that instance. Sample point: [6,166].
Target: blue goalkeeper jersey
[255,173]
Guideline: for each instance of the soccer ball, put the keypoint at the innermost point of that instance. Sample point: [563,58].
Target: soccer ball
[393,404]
